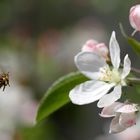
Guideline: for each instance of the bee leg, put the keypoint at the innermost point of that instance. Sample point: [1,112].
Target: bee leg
[3,87]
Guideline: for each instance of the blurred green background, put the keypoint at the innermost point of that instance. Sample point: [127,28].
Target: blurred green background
[38,42]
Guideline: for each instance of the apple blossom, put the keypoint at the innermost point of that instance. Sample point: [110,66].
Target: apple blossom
[134,17]
[124,116]
[103,78]
[95,47]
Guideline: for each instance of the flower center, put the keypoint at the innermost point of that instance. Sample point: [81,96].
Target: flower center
[116,78]
[108,75]
[131,122]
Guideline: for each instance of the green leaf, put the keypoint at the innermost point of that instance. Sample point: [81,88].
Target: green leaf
[132,94]
[57,94]
[131,41]
[135,44]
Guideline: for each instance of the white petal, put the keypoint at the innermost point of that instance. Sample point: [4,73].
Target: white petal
[115,127]
[89,64]
[89,92]
[127,108]
[114,51]
[126,67]
[127,119]
[110,111]
[110,98]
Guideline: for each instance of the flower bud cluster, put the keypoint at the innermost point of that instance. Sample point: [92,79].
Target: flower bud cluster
[125,114]
[106,82]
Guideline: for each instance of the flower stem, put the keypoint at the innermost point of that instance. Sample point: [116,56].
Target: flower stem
[133,33]
[135,70]
[134,80]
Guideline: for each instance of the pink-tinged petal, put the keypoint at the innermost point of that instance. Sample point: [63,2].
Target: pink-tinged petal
[127,119]
[89,64]
[102,50]
[127,108]
[89,92]
[134,17]
[131,17]
[115,127]
[110,98]
[90,46]
[109,111]
[114,51]
[98,48]
[126,67]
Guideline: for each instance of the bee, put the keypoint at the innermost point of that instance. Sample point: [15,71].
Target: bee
[4,80]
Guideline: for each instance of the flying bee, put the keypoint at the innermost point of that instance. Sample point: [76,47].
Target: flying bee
[4,80]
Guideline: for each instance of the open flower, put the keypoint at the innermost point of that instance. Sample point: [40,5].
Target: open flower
[124,116]
[95,47]
[103,78]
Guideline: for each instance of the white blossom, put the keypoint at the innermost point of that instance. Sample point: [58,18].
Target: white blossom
[124,116]
[103,78]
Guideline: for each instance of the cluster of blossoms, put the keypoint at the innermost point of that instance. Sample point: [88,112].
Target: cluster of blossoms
[107,81]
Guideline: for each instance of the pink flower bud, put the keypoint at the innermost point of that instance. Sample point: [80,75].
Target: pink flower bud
[98,48]
[134,17]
